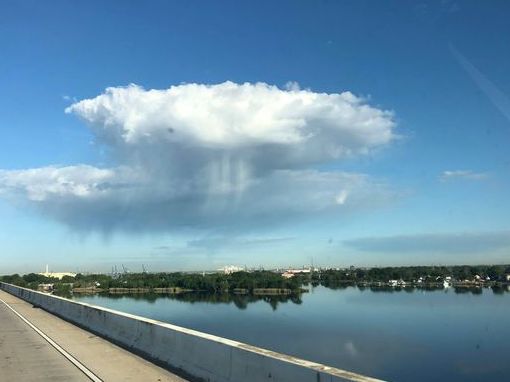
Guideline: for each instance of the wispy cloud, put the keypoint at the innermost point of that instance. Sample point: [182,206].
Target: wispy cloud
[217,242]
[464,242]
[462,174]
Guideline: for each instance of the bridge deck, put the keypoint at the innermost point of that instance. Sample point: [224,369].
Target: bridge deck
[26,356]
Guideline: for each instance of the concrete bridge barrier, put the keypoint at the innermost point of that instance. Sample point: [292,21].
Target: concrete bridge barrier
[200,356]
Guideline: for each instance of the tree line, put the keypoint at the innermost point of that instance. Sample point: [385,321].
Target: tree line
[213,282]
[413,273]
[249,281]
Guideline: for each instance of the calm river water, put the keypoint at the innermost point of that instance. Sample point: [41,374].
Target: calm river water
[407,335]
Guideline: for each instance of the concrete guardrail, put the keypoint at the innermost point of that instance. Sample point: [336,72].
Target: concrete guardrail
[201,356]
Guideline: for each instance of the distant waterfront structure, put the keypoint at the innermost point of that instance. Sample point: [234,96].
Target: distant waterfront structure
[289,273]
[228,269]
[57,275]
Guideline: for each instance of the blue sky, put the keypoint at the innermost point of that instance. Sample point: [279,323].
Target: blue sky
[410,167]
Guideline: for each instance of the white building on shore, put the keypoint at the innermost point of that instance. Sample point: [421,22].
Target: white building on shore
[289,273]
[57,275]
[228,269]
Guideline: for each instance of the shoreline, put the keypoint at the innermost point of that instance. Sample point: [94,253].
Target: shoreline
[290,292]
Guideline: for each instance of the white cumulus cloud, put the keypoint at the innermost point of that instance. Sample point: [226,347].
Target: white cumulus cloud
[238,116]
[211,155]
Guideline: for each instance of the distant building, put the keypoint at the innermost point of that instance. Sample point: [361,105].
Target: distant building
[57,275]
[298,271]
[45,287]
[395,283]
[293,272]
[228,269]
